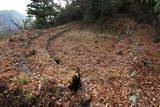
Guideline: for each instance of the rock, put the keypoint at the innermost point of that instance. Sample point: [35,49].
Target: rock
[133,99]
[133,74]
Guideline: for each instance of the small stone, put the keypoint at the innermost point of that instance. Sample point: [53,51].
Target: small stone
[133,99]
[133,74]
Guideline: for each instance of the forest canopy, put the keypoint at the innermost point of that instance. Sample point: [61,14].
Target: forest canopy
[47,12]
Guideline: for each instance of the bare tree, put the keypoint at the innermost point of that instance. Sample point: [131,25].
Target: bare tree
[20,27]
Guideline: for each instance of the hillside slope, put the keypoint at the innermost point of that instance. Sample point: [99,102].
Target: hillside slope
[119,66]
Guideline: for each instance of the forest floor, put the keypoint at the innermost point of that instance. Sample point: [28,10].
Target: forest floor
[119,65]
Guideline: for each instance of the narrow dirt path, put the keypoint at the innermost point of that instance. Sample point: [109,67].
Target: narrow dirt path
[42,59]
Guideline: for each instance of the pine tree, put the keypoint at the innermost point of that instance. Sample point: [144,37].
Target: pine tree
[43,10]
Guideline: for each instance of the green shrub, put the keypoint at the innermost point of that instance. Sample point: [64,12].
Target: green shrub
[152,3]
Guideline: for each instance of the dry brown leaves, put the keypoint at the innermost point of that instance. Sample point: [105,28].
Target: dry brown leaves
[112,68]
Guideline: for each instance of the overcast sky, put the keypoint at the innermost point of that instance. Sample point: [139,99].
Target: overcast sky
[19,5]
